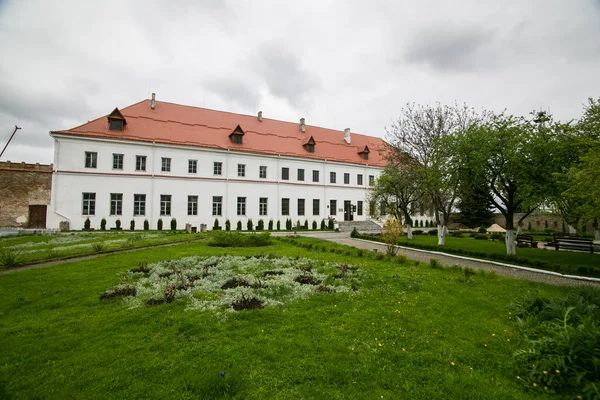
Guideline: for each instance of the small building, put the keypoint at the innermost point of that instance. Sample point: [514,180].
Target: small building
[24,194]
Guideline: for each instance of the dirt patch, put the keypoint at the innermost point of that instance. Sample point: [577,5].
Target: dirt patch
[235,282]
[307,280]
[113,293]
[247,304]
[272,273]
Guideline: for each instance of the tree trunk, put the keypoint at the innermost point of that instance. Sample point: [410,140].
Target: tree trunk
[510,242]
[597,234]
[572,229]
[442,235]
[409,233]
[519,229]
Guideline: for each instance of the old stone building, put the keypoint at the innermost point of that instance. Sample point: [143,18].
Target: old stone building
[24,194]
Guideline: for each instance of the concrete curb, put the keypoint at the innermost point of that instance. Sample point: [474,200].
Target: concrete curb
[539,271]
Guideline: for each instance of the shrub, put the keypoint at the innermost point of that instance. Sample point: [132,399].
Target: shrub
[468,273]
[173,224]
[379,256]
[250,224]
[87,224]
[98,247]
[401,258]
[481,236]
[435,264]
[146,225]
[270,224]
[159,224]
[278,225]
[227,225]
[330,225]
[10,258]
[298,225]
[103,224]
[216,226]
[359,252]
[481,230]
[391,232]
[260,226]
[426,223]
[529,226]
[497,236]
[323,225]
[421,224]
[417,232]
[118,224]
[456,234]
[314,225]
[288,224]
[305,224]
[132,225]
[432,232]
[559,339]
[354,233]
[238,226]
[238,239]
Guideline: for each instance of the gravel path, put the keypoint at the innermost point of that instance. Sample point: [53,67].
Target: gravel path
[449,259]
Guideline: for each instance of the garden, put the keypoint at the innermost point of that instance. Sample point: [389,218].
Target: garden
[290,317]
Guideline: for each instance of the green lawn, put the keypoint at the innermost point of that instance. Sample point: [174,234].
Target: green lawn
[424,333]
[577,263]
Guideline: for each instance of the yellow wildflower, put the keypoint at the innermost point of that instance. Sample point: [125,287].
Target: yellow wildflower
[534,384]
[452,363]
[557,371]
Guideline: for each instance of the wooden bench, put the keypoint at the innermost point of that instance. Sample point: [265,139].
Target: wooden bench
[571,243]
[527,239]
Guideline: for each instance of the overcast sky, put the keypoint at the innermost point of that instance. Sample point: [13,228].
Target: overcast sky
[339,63]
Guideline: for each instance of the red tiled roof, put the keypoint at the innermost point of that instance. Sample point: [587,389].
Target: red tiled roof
[177,124]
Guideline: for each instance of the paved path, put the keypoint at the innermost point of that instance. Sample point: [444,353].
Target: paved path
[449,259]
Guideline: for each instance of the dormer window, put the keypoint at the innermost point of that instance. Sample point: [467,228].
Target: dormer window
[237,135]
[116,121]
[364,153]
[309,145]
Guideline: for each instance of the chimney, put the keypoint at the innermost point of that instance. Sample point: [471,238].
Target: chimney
[260,116]
[347,135]
[153,101]
[302,126]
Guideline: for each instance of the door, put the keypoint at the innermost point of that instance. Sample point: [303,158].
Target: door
[37,217]
[348,216]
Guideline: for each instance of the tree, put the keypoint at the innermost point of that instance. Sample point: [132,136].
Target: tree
[173,224]
[399,188]
[391,233]
[514,159]
[418,133]
[473,202]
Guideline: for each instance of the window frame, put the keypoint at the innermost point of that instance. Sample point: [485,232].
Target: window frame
[316,206]
[241,206]
[217,206]
[285,206]
[359,207]
[118,161]
[301,207]
[371,180]
[359,179]
[315,175]
[285,174]
[241,170]
[139,204]
[217,168]
[332,177]
[262,171]
[192,204]
[91,159]
[165,164]
[140,163]
[334,204]
[263,205]
[165,205]
[116,204]
[88,205]
[192,166]
[300,174]
[346,178]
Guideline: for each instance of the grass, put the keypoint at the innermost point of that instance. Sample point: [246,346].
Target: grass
[409,332]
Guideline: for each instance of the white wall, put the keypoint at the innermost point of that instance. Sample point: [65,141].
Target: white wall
[71,179]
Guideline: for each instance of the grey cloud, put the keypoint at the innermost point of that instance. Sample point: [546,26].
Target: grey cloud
[234,90]
[284,74]
[450,48]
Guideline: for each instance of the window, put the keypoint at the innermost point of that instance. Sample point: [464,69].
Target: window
[241,172]
[192,205]
[359,207]
[165,164]
[115,124]
[310,148]
[285,206]
[139,204]
[365,155]
[316,206]
[165,204]
[140,164]
[332,207]
[383,208]
[371,180]
[91,158]
[262,172]
[237,139]
[285,174]
[116,204]
[371,208]
[315,175]
[217,208]
[300,174]
[117,161]
[241,206]
[262,206]
[359,181]
[332,177]
[89,204]
[300,206]
[192,166]
[346,178]
[217,168]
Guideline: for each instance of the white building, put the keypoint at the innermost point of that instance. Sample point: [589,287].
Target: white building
[161,160]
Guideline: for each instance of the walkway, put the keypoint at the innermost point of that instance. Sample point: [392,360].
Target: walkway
[449,259]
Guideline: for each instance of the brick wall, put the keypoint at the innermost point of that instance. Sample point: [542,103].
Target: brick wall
[22,185]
